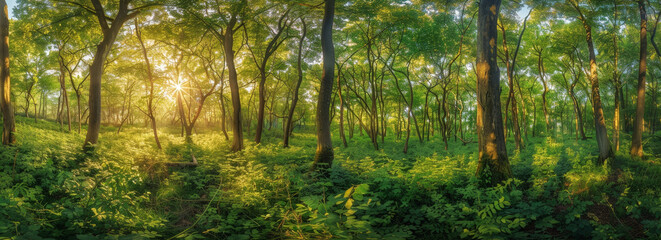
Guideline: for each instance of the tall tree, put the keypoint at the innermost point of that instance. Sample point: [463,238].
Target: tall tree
[616,82]
[290,116]
[8,127]
[492,159]
[605,150]
[324,155]
[279,37]
[150,78]
[511,64]
[110,27]
[636,139]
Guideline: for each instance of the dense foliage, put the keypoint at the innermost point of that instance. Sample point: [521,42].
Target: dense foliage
[51,189]
[383,119]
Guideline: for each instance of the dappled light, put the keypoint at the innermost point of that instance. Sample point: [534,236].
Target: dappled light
[330,119]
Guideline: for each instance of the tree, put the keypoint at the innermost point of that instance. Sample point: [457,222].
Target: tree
[616,82]
[274,43]
[636,139]
[150,78]
[324,155]
[511,64]
[8,127]
[492,159]
[110,32]
[605,150]
[290,116]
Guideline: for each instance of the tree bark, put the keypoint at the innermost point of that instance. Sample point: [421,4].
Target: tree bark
[510,65]
[605,150]
[228,44]
[617,85]
[299,69]
[96,69]
[272,46]
[150,77]
[636,139]
[540,68]
[8,125]
[339,93]
[63,90]
[324,155]
[493,164]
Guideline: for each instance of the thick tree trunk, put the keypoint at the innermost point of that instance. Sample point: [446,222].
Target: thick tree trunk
[324,155]
[223,113]
[636,139]
[96,69]
[299,69]
[493,164]
[605,150]
[8,127]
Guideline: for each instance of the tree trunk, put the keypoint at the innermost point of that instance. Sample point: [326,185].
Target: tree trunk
[540,68]
[510,77]
[339,92]
[96,69]
[228,44]
[223,113]
[65,95]
[617,85]
[150,77]
[8,127]
[493,164]
[636,139]
[299,69]
[601,133]
[324,155]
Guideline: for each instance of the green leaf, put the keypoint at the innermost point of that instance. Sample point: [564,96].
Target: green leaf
[349,203]
[347,193]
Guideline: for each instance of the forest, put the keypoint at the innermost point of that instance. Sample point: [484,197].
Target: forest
[330,119]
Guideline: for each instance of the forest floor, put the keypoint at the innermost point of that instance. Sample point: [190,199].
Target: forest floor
[127,189]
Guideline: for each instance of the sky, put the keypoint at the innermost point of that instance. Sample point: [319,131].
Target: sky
[11,4]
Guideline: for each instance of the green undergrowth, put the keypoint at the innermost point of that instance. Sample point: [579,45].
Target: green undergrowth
[127,189]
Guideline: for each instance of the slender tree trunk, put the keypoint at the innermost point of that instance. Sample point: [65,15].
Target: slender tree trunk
[299,69]
[540,67]
[339,92]
[150,77]
[65,98]
[261,105]
[324,155]
[492,160]
[510,77]
[577,111]
[617,85]
[636,139]
[8,127]
[605,150]
[80,120]
[408,131]
[228,44]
